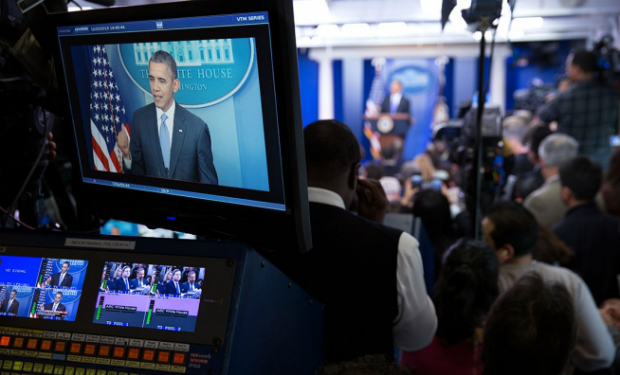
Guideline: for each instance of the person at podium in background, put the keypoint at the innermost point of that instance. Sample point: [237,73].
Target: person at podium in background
[10,306]
[61,278]
[395,102]
[191,286]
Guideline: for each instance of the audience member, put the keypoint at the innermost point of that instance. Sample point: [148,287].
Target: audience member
[528,182]
[434,209]
[374,171]
[591,234]
[532,329]
[611,186]
[366,365]
[550,249]
[610,311]
[545,203]
[512,231]
[392,159]
[587,110]
[463,295]
[427,170]
[369,276]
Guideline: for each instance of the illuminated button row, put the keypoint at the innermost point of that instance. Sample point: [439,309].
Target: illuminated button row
[8,366]
[98,350]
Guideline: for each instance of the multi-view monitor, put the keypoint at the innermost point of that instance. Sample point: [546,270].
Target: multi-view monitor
[41,288]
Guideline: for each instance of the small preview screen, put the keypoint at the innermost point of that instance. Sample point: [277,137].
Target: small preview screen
[163,297]
[42,288]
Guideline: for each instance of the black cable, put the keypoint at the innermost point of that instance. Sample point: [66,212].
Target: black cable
[16,219]
[76,3]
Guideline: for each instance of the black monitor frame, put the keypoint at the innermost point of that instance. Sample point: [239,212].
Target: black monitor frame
[263,228]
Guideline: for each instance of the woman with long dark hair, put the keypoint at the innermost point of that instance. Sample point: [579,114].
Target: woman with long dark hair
[463,296]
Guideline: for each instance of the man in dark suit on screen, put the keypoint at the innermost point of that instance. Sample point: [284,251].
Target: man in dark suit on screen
[167,140]
[122,283]
[139,282]
[191,285]
[61,278]
[56,305]
[173,287]
[395,102]
[10,305]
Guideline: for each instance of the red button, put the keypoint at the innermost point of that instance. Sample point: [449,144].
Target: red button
[89,349]
[133,353]
[104,350]
[119,352]
[32,344]
[75,348]
[46,345]
[178,358]
[148,355]
[18,342]
[60,346]
[163,357]
[5,340]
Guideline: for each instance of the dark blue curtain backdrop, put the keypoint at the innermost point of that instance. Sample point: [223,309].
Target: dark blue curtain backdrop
[309,87]
[338,97]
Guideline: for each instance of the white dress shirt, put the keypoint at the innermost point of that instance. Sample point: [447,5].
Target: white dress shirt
[416,322]
[169,124]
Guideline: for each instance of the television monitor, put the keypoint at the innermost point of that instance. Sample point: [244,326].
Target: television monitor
[42,288]
[187,116]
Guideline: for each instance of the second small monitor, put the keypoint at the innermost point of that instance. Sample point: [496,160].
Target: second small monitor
[164,297]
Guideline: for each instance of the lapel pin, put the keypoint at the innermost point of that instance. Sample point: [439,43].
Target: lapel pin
[180,130]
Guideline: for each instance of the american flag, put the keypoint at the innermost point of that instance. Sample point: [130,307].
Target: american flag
[375,99]
[107,113]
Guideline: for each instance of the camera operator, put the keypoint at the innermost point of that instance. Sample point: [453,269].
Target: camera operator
[587,110]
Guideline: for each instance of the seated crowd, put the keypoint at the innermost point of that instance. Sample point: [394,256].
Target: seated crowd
[540,294]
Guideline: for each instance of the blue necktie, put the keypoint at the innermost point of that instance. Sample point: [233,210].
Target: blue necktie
[394,106]
[164,141]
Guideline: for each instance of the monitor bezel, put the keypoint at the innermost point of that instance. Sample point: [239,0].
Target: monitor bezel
[263,228]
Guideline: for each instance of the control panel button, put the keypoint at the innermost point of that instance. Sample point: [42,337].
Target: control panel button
[119,352]
[133,353]
[89,349]
[178,358]
[18,342]
[5,340]
[163,357]
[148,355]
[60,346]
[32,344]
[104,350]
[75,348]
[46,345]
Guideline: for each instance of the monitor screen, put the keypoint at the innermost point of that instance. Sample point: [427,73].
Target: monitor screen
[178,107]
[191,110]
[44,288]
[163,297]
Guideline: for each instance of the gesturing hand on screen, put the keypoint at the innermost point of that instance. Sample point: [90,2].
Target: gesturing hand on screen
[123,142]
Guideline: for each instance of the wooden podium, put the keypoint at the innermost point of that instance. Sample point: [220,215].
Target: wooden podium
[390,126]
